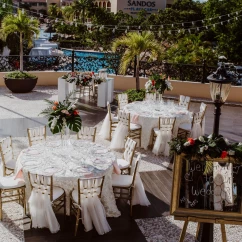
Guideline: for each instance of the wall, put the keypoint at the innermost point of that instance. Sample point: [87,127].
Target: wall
[122,83]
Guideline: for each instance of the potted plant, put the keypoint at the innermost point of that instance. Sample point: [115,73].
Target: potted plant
[26,27]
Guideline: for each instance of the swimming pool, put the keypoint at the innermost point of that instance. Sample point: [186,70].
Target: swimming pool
[89,60]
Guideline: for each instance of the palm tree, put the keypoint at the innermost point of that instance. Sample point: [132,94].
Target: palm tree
[78,9]
[139,46]
[25,26]
[54,11]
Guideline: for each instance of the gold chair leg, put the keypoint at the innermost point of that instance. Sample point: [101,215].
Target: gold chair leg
[24,203]
[183,233]
[64,207]
[77,220]
[224,239]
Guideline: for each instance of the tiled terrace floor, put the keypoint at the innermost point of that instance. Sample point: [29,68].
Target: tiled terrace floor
[19,111]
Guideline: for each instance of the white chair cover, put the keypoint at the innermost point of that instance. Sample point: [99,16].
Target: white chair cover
[105,129]
[139,196]
[150,96]
[121,131]
[91,206]
[37,135]
[40,207]
[164,136]
[184,101]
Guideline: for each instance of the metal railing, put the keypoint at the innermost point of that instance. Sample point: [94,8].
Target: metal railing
[183,72]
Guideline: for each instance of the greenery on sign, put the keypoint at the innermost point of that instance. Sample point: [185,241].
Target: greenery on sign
[205,148]
[62,115]
[20,75]
[134,95]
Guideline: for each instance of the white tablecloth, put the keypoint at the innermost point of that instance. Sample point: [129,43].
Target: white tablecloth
[147,114]
[82,159]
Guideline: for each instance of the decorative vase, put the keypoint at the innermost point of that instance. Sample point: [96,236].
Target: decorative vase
[65,139]
[159,96]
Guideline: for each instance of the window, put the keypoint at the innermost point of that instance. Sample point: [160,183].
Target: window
[109,7]
[33,4]
[104,4]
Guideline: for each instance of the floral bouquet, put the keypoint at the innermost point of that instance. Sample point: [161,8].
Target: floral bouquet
[158,83]
[62,115]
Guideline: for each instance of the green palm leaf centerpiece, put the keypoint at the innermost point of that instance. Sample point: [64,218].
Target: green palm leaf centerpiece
[62,115]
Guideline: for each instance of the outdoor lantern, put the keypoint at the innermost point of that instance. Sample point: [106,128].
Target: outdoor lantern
[220,83]
[103,73]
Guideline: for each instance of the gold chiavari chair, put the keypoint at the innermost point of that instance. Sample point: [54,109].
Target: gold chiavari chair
[87,187]
[36,135]
[186,129]
[11,190]
[123,185]
[165,124]
[112,120]
[122,100]
[87,133]
[7,156]
[184,101]
[126,162]
[44,184]
[134,130]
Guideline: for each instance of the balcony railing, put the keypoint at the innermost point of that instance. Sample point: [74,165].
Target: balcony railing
[183,72]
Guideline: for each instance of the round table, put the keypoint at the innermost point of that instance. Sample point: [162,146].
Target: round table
[147,113]
[83,159]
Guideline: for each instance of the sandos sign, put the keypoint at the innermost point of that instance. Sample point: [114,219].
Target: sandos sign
[134,6]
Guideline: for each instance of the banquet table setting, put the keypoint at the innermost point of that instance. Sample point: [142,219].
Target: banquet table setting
[147,114]
[83,159]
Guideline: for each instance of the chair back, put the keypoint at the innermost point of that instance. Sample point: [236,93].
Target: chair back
[90,187]
[150,96]
[122,100]
[134,168]
[129,149]
[6,149]
[87,133]
[42,184]
[124,118]
[166,124]
[184,101]
[203,108]
[197,118]
[36,135]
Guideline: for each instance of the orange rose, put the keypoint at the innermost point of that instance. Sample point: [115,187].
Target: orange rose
[56,103]
[54,108]
[75,112]
[191,141]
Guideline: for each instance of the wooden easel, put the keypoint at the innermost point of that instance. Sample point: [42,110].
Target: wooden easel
[203,220]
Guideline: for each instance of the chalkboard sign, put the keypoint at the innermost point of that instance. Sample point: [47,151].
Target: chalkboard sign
[215,195]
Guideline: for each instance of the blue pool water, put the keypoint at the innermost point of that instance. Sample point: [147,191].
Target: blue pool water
[88,60]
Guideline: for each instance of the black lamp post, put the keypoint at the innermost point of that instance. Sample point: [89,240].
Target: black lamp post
[220,83]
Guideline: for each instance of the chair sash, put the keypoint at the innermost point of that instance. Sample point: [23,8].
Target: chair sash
[40,206]
[91,206]
[105,129]
[161,143]
[121,131]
